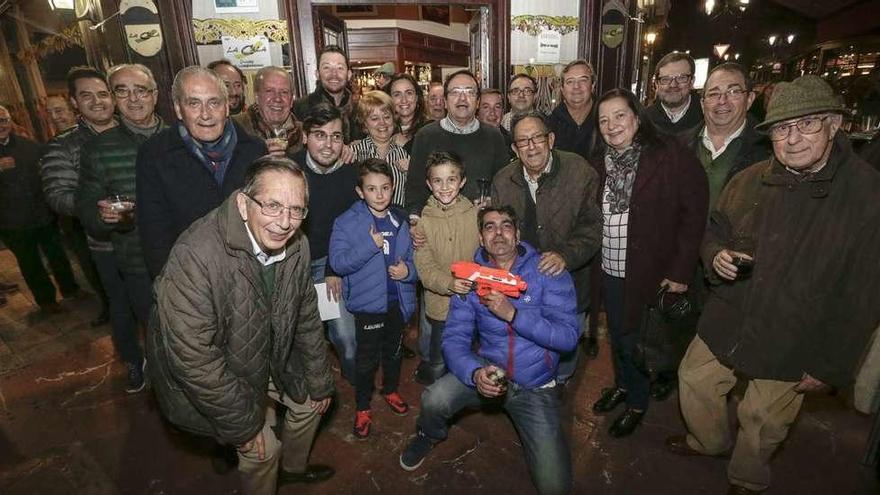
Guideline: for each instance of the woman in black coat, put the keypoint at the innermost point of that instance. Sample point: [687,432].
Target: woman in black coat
[654,197]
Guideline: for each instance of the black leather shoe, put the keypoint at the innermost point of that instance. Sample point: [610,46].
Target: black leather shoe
[314,473]
[661,389]
[626,423]
[611,397]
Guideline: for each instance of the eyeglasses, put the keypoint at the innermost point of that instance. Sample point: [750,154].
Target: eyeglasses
[466,92]
[322,136]
[5,120]
[809,125]
[274,209]
[139,92]
[534,140]
[732,94]
[522,91]
[679,78]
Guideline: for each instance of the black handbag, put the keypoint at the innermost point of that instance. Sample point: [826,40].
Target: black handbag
[667,327]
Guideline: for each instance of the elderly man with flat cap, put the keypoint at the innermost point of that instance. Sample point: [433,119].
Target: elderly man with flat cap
[791,255]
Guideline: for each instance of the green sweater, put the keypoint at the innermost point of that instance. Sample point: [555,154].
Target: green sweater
[108,167]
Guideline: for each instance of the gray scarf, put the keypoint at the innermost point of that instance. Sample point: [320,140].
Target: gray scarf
[621,167]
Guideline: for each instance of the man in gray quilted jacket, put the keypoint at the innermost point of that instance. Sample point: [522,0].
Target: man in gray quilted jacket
[237,327]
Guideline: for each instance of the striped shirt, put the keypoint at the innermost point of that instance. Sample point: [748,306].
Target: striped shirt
[366,148]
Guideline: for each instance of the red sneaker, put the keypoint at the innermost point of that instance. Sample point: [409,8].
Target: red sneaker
[362,424]
[397,404]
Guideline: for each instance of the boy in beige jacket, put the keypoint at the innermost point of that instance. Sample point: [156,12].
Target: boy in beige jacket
[449,227]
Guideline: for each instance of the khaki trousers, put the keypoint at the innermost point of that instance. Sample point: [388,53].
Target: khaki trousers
[260,477]
[765,414]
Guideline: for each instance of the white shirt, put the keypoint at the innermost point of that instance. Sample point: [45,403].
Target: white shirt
[707,141]
[676,116]
[261,255]
[533,184]
[318,169]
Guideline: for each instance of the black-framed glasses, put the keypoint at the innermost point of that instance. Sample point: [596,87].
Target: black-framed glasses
[521,91]
[274,209]
[807,125]
[679,78]
[534,140]
[732,94]
[139,92]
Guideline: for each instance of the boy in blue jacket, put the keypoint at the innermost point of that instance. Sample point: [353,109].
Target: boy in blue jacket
[371,248]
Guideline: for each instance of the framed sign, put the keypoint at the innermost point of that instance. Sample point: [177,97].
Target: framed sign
[140,21]
[247,53]
[236,6]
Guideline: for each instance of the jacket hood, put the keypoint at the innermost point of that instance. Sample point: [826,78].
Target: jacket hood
[461,204]
[524,252]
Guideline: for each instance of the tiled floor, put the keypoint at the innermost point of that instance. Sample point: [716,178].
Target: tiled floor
[66,427]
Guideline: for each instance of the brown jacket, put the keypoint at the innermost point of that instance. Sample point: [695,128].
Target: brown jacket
[812,300]
[667,219]
[216,337]
[452,235]
[252,122]
[568,220]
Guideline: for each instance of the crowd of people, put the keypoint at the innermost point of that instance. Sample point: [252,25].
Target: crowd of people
[214,232]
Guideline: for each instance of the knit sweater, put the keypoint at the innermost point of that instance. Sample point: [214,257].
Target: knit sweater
[329,196]
[483,153]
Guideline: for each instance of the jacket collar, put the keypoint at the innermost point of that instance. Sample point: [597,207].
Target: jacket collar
[775,174]
[461,204]
[517,176]
[524,251]
[175,142]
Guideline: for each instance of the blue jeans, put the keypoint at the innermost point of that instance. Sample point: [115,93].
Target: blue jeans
[534,412]
[623,345]
[341,331]
[568,361]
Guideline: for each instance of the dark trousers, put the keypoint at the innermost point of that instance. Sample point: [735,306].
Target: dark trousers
[75,236]
[623,344]
[26,245]
[435,355]
[129,300]
[379,337]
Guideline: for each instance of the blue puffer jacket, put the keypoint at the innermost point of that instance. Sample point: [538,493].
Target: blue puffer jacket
[355,257]
[528,349]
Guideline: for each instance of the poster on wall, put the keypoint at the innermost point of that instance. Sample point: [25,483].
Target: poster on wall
[247,53]
[236,6]
[549,46]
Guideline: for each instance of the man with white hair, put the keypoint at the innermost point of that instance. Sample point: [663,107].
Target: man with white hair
[270,117]
[190,168]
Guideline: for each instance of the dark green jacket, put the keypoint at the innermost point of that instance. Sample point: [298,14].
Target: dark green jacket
[812,299]
[108,167]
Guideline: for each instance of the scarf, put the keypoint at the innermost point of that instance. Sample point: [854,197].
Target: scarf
[292,129]
[214,156]
[621,167]
[448,125]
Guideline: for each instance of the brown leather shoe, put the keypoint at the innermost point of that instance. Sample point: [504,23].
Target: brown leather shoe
[677,444]
[741,490]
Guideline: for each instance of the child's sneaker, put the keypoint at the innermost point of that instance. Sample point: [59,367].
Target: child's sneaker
[415,452]
[363,422]
[397,404]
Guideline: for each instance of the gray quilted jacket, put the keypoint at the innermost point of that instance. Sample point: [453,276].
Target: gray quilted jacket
[216,338]
[59,169]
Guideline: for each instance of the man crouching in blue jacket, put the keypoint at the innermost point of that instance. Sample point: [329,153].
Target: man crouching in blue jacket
[520,337]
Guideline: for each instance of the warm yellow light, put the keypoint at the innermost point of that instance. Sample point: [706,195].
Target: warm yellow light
[651,37]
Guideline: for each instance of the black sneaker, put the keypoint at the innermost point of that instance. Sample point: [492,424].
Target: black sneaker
[136,381]
[415,452]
